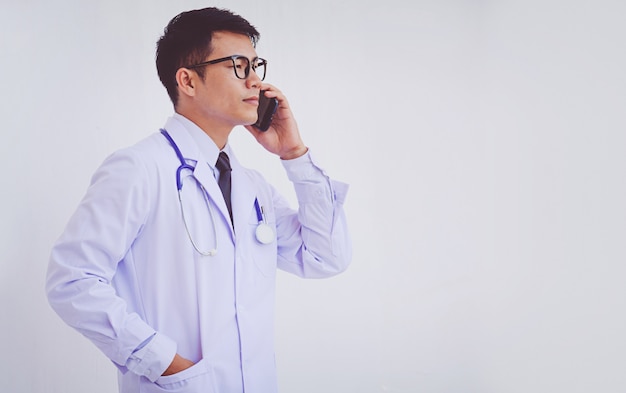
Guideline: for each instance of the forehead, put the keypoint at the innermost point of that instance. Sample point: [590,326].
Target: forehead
[225,43]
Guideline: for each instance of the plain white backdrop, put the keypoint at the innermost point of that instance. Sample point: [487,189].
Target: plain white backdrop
[484,142]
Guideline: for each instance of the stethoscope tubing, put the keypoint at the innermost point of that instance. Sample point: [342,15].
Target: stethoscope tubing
[264,233]
[179,185]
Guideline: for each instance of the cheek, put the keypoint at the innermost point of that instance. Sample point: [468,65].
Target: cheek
[217,103]
[225,100]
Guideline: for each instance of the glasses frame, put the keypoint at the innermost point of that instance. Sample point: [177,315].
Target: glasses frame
[233,58]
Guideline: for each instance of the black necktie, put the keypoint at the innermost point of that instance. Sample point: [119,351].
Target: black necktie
[223,165]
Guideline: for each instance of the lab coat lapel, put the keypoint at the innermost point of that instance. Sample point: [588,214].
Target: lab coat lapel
[205,176]
[243,194]
[202,171]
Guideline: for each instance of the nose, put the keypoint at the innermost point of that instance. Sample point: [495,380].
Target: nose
[253,80]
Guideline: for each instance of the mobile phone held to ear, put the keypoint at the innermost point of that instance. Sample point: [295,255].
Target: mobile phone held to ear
[267,108]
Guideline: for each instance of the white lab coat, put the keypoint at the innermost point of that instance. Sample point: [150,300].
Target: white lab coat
[124,272]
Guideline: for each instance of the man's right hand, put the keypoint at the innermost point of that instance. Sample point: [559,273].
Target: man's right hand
[178,364]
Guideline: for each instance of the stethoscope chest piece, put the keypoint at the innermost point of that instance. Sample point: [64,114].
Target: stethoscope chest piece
[264,233]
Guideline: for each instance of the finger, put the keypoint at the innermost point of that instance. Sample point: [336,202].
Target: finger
[268,87]
[272,92]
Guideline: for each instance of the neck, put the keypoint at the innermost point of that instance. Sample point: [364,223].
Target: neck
[216,130]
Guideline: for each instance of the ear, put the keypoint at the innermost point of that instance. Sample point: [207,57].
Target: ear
[186,81]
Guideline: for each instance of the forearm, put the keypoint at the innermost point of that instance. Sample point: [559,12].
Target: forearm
[92,308]
[321,245]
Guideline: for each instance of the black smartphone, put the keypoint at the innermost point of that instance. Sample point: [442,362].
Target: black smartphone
[267,108]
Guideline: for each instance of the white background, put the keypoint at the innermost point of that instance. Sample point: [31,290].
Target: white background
[495,260]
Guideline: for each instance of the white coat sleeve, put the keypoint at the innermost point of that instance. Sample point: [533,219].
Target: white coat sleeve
[314,242]
[85,258]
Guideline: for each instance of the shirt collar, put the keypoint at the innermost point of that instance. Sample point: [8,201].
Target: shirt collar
[205,144]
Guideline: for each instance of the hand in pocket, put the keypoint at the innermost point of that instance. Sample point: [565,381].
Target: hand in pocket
[178,364]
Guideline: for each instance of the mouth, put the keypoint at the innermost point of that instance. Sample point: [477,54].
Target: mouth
[252,100]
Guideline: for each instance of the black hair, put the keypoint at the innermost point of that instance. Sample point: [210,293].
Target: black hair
[186,40]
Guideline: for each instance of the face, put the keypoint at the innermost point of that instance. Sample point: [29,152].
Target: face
[222,99]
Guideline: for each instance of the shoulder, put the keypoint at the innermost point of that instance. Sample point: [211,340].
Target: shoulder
[151,148]
[136,164]
[148,153]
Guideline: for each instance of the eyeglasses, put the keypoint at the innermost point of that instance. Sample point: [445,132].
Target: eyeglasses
[241,65]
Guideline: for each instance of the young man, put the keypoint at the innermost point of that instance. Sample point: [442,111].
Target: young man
[169,263]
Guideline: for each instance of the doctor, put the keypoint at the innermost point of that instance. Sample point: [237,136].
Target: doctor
[174,283]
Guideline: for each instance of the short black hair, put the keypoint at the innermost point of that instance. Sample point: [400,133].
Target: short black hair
[187,38]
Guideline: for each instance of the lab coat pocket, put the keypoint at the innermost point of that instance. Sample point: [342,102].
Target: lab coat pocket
[197,378]
[263,247]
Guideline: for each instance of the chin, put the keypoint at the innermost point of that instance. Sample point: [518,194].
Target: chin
[250,120]
[246,123]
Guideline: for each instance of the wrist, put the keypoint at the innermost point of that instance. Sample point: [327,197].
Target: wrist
[178,364]
[294,153]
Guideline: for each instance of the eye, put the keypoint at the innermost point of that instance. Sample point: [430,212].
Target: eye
[240,63]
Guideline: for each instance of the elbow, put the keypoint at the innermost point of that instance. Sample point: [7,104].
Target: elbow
[329,265]
[341,263]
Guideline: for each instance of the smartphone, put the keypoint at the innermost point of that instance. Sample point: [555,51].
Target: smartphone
[267,108]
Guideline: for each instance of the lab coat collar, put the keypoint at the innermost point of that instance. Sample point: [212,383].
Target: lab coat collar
[203,142]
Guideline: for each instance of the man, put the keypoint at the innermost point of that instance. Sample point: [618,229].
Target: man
[173,276]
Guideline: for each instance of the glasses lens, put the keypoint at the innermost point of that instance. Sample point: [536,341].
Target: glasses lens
[242,67]
[260,67]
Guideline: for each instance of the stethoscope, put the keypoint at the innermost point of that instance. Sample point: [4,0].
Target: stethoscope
[264,233]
